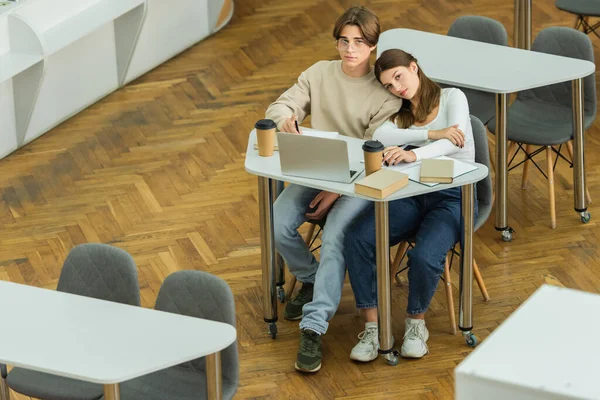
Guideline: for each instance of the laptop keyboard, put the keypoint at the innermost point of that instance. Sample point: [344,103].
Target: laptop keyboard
[352,173]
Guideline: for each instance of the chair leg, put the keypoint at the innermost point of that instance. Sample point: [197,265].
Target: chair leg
[525,167]
[449,296]
[512,150]
[570,150]
[395,264]
[479,280]
[550,172]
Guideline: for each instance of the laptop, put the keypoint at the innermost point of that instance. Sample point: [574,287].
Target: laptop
[316,158]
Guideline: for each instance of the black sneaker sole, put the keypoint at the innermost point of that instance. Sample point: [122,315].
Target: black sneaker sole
[316,369]
[299,317]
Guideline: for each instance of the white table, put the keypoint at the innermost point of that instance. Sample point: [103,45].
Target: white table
[268,170]
[547,349]
[519,70]
[102,341]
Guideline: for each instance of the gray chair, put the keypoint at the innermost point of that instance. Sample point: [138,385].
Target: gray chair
[543,116]
[93,270]
[195,294]
[583,10]
[485,200]
[481,29]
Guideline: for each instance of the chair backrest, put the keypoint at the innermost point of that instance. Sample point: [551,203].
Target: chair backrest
[202,295]
[481,29]
[100,271]
[566,42]
[484,186]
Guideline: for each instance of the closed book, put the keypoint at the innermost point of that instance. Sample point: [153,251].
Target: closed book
[437,171]
[381,184]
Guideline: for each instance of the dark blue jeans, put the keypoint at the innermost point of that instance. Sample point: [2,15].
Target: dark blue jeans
[433,220]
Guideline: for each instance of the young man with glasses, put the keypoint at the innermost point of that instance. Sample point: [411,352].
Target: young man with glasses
[341,96]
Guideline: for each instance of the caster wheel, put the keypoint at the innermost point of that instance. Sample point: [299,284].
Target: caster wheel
[585,217]
[273,330]
[471,340]
[507,234]
[392,358]
[281,294]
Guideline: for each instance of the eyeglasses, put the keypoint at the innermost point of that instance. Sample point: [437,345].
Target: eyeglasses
[343,44]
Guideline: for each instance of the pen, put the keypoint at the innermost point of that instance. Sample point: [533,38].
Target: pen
[297,127]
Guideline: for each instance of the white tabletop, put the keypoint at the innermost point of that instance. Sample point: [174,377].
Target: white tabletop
[483,66]
[270,167]
[548,345]
[99,341]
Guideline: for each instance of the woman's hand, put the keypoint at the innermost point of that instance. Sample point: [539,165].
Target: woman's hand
[452,133]
[289,125]
[323,202]
[393,155]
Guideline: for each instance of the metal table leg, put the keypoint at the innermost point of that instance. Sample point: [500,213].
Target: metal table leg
[214,382]
[465,316]
[384,295]
[112,392]
[502,168]
[278,187]
[267,252]
[578,152]
[522,24]
[4,390]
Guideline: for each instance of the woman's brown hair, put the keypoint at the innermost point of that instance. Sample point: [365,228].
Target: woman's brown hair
[428,93]
[365,19]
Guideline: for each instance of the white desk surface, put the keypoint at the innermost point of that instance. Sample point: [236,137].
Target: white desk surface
[549,345]
[99,341]
[483,66]
[271,168]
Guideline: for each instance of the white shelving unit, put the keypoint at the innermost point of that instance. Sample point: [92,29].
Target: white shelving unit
[21,65]
[82,61]
[57,57]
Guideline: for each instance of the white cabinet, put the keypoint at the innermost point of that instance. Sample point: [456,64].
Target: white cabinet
[58,57]
[547,349]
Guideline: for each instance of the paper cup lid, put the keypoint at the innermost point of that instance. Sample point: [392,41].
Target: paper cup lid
[373,146]
[265,124]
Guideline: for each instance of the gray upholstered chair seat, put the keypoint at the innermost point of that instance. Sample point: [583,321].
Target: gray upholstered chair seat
[481,29]
[485,196]
[51,387]
[175,383]
[481,104]
[195,294]
[540,123]
[581,7]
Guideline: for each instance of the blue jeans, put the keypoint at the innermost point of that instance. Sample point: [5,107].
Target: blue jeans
[432,219]
[328,274]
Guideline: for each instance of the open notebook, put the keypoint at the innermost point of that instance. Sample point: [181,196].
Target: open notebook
[413,170]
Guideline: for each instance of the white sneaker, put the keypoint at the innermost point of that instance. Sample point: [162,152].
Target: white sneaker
[366,349]
[415,338]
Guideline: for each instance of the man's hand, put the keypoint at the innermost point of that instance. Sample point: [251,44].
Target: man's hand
[394,155]
[289,125]
[323,201]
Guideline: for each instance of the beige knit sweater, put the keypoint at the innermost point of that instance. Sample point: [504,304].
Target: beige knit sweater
[336,102]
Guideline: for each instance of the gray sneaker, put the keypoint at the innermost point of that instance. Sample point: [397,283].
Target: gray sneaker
[293,309]
[309,352]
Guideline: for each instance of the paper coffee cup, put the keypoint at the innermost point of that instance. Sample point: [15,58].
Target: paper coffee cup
[373,154]
[265,135]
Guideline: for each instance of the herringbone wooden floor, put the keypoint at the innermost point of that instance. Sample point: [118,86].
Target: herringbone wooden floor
[157,169]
